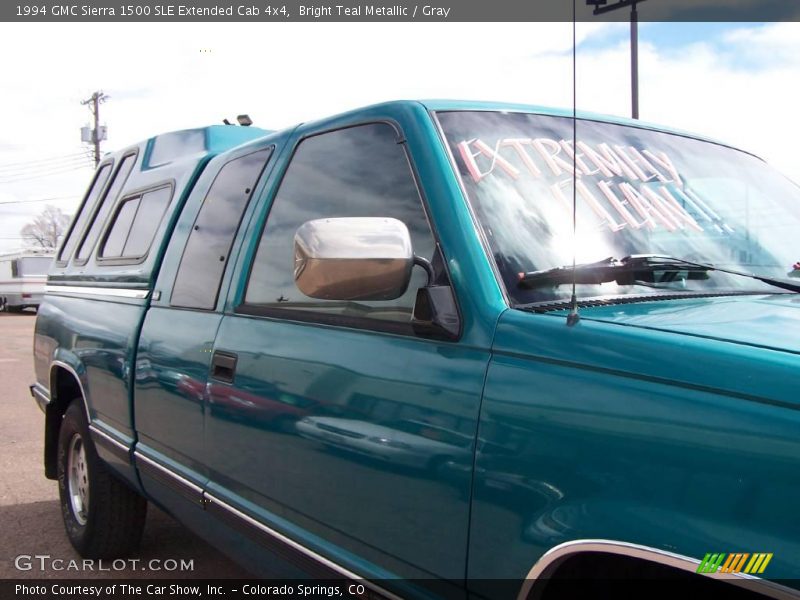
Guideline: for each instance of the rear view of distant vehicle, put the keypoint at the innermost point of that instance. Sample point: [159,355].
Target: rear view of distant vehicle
[22,279]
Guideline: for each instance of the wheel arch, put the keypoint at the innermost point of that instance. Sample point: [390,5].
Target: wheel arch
[618,553]
[65,386]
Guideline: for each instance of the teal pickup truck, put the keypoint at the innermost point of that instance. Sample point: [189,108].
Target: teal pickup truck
[445,349]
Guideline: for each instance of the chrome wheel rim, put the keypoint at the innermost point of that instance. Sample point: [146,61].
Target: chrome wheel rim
[78,479]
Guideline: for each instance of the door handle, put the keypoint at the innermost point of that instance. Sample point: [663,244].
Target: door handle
[223,366]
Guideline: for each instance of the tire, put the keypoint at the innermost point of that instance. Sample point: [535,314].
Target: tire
[103,517]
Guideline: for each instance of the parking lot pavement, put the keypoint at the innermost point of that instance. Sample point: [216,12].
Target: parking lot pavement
[29,507]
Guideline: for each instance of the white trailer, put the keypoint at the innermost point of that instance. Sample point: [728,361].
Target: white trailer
[23,276]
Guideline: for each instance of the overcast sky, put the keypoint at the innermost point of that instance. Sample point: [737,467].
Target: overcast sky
[739,83]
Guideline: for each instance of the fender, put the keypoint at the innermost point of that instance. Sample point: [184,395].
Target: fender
[114,448]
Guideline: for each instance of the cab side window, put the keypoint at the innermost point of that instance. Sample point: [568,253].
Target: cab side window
[209,245]
[356,172]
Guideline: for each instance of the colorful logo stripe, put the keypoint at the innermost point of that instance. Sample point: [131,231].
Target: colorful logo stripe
[735,563]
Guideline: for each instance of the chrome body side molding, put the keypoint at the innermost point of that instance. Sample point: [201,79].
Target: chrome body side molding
[288,548]
[164,475]
[85,290]
[114,446]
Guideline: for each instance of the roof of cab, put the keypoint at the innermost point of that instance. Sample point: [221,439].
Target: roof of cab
[445,105]
[453,105]
[172,146]
[208,141]
[190,144]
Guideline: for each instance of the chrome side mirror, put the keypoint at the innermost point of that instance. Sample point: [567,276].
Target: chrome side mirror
[353,258]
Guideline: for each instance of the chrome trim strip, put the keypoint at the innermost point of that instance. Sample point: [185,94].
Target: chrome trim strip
[85,290]
[298,547]
[118,446]
[41,396]
[74,373]
[168,474]
[550,560]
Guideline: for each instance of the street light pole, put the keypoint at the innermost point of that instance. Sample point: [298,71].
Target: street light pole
[601,8]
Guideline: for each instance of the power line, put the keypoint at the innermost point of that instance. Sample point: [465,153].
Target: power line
[33,176]
[43,167]
[51,199]
[43,175]
[33,162]
[46,165]
[74,162]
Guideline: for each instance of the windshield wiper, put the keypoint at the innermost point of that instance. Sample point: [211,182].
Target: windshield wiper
[633,269]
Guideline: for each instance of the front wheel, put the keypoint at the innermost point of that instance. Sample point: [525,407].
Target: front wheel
[104,518]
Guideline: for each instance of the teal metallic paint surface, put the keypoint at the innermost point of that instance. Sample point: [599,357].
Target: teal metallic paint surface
[391,509]
[175,347]
[171,371]
[686,361]
[669,424]
[620,433]
[98,337]
[95,339]
[92,337]
[769,321]
[368,512]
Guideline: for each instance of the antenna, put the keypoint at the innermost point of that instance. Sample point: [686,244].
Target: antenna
[573,317]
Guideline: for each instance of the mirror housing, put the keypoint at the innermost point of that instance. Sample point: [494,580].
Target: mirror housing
[353,258]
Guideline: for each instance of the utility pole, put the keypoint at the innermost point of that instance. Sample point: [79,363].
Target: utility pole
[97,134]
[601,8]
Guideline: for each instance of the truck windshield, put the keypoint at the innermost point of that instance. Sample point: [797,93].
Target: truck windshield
[637,192]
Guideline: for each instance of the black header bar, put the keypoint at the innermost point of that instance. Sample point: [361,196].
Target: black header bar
[277,11]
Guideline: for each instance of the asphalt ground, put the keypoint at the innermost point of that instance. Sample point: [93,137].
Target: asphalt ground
[30,516]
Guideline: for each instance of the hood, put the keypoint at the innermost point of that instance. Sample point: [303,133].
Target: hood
[769,321]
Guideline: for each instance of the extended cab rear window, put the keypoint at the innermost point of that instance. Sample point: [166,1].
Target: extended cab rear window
[206,254]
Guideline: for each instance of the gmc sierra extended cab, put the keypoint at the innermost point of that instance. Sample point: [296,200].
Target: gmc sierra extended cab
[434,347]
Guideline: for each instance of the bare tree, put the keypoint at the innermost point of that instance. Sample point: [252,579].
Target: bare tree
[46,229]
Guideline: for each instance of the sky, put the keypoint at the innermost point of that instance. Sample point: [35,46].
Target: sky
[738,83]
